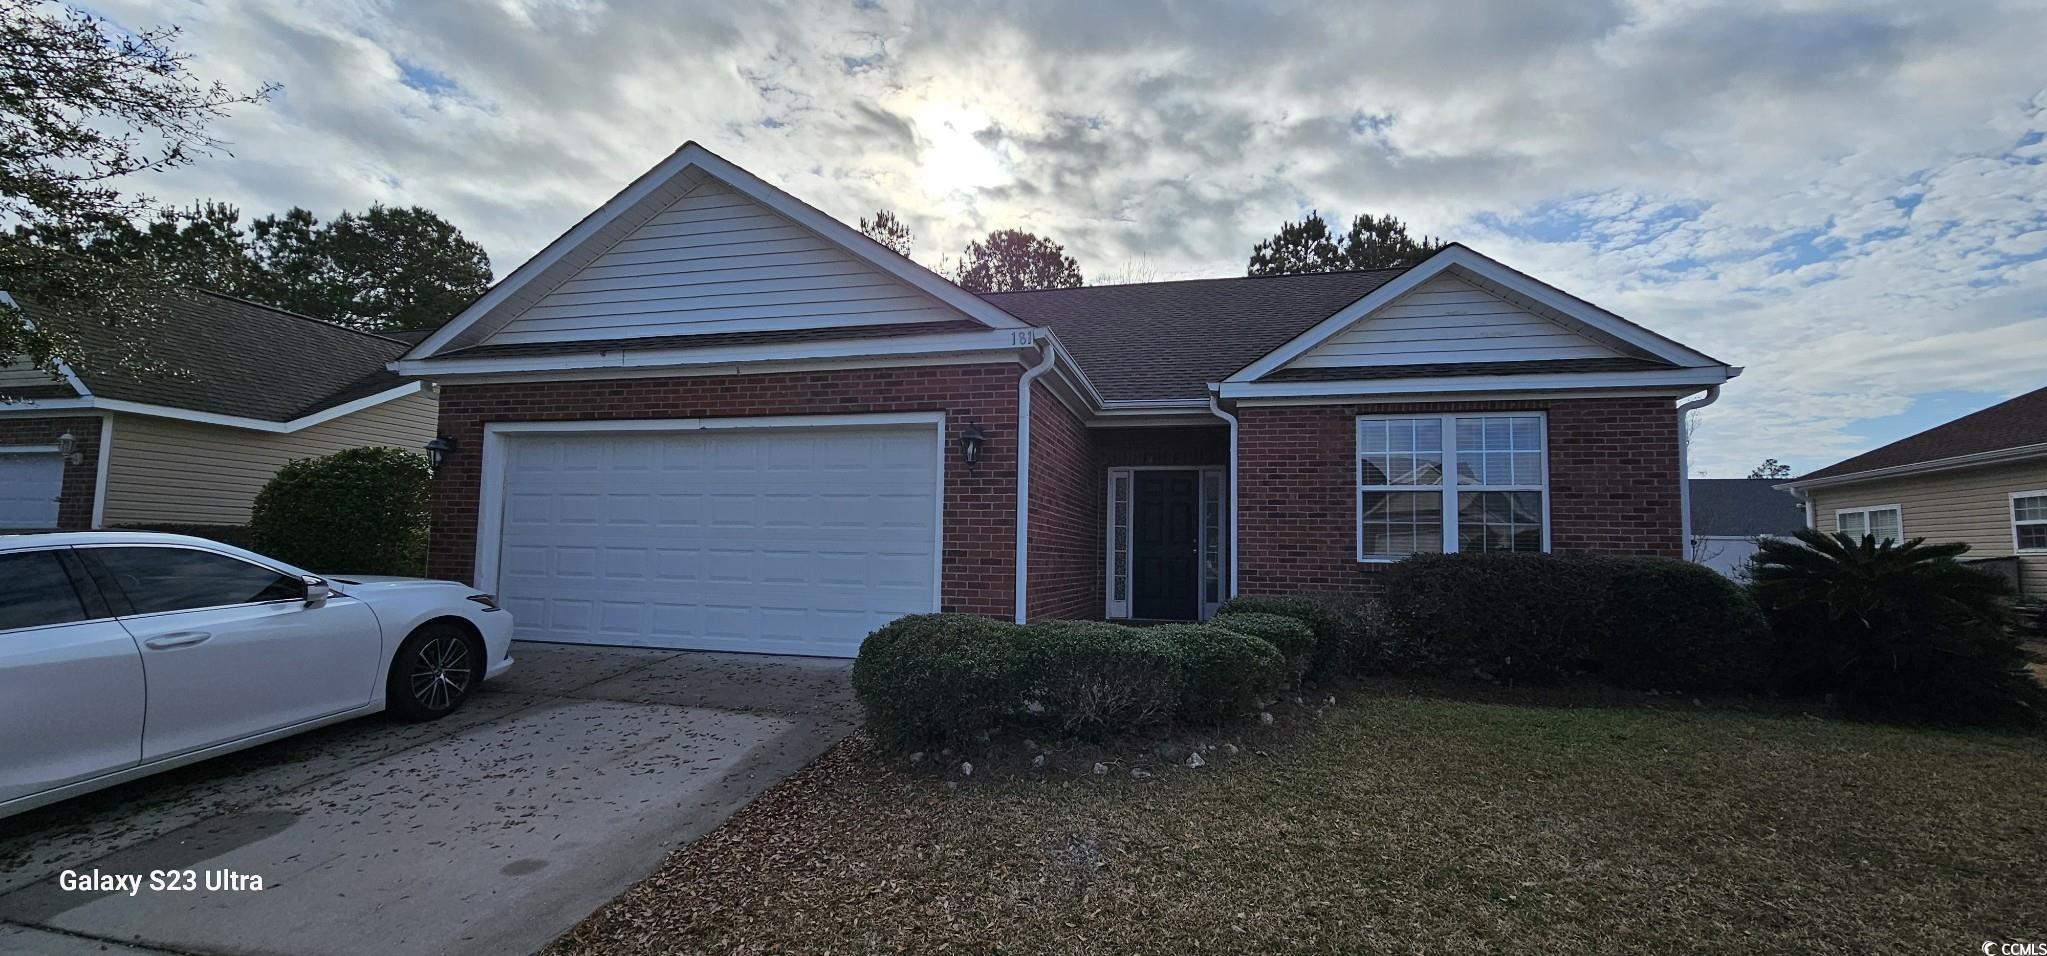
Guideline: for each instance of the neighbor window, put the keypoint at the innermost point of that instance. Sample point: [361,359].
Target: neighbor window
[2029,520]
[1444,483]
[1884,522]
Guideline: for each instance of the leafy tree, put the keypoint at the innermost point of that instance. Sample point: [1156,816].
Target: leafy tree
[82,104]
[1771,468]
[1373,242]
[1896,630]
[386,269]
[1011,260]
[890,231]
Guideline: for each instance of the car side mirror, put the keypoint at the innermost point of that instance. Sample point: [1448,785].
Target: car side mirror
[317,590]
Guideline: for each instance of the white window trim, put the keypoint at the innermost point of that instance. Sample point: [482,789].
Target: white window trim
[1449,489]
[1865,511]
[2011,508]
[1114,609]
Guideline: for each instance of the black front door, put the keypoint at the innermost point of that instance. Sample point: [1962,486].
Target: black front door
[1165,545]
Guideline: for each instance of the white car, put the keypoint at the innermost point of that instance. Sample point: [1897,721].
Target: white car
[125,654]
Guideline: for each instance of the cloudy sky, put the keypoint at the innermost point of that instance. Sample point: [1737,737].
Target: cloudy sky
[1847,198]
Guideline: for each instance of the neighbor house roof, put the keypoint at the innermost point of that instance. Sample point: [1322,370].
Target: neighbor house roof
[227,356]
[1743,508]
[1156,340]
[2017,423]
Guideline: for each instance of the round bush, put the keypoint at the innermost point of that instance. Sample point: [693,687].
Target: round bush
[362,511]
[1674,625]
[1097,679]
[1339,639]
[1223,674]
[1291,636]
[933,679]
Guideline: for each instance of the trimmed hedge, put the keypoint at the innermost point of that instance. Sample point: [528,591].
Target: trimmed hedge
[951,679]
[1094,678]
[1292,637]
[940,678]
[1339,636]
[1223,674]
[1519,617]
[1672,624]
[361,511]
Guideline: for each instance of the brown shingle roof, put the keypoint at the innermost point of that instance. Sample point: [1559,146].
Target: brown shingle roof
[2016,423]
[229,356]
[1161,340]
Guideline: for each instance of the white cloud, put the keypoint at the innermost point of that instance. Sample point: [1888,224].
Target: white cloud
[1844,197]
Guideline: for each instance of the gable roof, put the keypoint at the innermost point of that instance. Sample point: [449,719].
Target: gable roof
[1743,508]
[654,191]
[1165,340]
[2014,424]
[231,357]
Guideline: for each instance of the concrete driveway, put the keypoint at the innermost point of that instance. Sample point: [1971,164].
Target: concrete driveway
[490,831]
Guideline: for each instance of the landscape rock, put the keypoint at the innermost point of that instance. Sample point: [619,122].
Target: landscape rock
[1038,761]
[1230,749]
[1139,773]
[1101,769]
[966,768]
[1265,716]
[917,757]
[1194,762]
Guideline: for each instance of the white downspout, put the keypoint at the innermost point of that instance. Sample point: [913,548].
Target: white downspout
[1023,479]
[1216,407]
[1684,463]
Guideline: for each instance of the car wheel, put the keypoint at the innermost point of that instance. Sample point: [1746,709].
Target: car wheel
[433,673]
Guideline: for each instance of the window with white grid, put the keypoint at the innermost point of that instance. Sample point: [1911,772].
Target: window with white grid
[1883,522]
[2029,520]
[1410,503]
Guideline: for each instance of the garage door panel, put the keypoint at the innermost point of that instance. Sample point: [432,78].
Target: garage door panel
[775,540]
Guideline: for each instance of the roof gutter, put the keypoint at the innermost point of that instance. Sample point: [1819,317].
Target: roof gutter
[1023,477]
[1684,465]
[1995,457]
[1215,408]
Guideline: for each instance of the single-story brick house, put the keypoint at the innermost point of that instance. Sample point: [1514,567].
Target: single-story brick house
[239,389]
[711,416]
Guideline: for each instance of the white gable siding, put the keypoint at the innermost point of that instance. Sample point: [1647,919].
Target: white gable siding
[716,261]
[1448,319]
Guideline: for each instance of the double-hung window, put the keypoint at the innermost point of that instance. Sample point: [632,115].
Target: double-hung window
[1430,484]
[1884,522]
[2029,520]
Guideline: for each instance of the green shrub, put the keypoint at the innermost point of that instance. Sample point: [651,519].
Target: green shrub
[362,511]
[1527,617]
[1900,631]
[1097,679]
[1291,636]
[932,679]
[1223,674]
[1675,625]
[1339,638]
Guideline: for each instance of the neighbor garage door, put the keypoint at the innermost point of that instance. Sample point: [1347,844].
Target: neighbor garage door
[30,482]
[791,540]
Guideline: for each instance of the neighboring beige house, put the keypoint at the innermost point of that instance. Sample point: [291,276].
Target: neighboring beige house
[242,389]
[1980,479]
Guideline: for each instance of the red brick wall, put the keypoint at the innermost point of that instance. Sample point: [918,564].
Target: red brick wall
[1614,485]
[74,506]
[980,506]
[1069,497]
[1066,513]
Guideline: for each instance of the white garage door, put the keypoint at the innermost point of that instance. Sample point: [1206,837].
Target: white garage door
[776,540]
[29,485]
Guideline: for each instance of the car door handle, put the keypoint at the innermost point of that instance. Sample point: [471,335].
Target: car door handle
[179,639]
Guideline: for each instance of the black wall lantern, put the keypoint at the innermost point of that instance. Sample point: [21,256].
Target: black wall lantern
[970,444]
[438,450]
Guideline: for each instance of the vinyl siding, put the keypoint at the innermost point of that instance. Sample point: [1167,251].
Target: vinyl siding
[163,471]
[716,261]
[1448,319]
[1971,505]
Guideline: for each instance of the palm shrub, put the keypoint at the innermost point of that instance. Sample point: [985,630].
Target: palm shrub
[1894,630]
